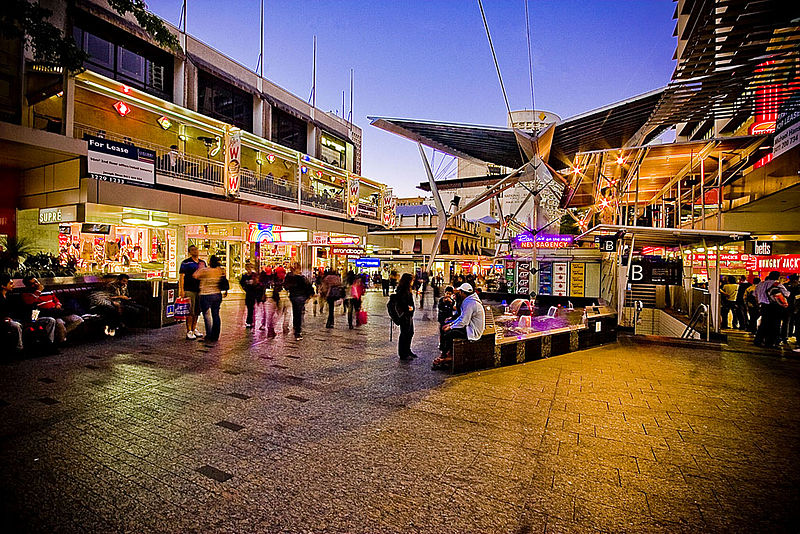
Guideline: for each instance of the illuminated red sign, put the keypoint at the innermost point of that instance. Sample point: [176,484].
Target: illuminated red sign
[788,263]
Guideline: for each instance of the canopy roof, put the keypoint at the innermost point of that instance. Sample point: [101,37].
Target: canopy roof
[658,167]
[605,127]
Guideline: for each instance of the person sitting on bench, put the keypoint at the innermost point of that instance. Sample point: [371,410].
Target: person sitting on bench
[36,298]
[469,325]
[10,319]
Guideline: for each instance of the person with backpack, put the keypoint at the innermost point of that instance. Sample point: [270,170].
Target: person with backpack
[401,310]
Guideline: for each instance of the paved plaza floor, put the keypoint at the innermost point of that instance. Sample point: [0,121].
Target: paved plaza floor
[149,432]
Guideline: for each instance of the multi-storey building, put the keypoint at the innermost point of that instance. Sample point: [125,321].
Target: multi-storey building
[148,150]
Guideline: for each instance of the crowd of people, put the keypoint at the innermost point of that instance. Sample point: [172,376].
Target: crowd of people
[768,308]
[270,294]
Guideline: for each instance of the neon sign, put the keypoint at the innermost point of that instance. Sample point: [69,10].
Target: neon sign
[525,240]
[274,233]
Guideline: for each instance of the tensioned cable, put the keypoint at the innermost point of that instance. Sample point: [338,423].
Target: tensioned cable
[499,76]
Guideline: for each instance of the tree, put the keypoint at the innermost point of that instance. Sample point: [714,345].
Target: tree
[28,21]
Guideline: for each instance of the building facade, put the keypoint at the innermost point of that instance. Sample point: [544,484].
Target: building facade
[122,166]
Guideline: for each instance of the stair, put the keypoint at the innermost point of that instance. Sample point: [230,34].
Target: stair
[644,292]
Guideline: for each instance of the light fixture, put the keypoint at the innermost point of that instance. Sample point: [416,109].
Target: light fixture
[270,157]
[138,217]
[122,108]
[60,94]
[259,161]
[303,169]
[774,238]
[700,249]
[319,173]
[576,170]
[620,160]
[125,89]
[164,122]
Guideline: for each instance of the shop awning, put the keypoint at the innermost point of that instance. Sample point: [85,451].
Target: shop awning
[665,237]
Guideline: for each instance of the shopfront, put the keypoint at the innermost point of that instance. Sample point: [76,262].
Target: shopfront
[336,251]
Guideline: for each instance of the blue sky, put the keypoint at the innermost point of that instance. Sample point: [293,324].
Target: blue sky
[431,60]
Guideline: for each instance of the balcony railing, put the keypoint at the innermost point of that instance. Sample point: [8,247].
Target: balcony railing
[268,185]
[324,200]
[206,171]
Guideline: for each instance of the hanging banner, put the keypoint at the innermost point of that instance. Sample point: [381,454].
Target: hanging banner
[386,205]
[393,212]
[233,160]
[352,196]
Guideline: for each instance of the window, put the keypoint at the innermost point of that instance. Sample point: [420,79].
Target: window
[100,51]
[225,102]
[132,63]
[289,131]
[417,246]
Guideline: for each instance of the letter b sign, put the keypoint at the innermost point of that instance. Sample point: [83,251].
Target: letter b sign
[636,274]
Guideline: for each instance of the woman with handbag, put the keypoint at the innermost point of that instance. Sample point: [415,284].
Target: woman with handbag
[213,286]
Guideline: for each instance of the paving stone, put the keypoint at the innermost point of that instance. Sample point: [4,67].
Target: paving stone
[615,438]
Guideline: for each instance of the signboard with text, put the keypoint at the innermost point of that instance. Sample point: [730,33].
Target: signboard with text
[118,162]
[787,263]
[525,240]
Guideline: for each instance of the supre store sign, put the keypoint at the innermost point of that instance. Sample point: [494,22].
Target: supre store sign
[789,263]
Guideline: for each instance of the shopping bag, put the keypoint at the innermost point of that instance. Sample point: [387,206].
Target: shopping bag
[182,308]
[362,317]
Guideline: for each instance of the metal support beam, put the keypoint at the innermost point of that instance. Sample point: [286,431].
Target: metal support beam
[441,212]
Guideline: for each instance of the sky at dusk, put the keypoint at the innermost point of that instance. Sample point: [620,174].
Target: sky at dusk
[430,59]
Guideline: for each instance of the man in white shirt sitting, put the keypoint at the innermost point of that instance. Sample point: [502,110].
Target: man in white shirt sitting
[470,324]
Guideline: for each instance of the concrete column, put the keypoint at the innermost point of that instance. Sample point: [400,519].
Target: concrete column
[68,106]
[311,141]
[179,81]
[258,116]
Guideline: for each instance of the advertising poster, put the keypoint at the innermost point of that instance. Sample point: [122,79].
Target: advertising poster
[560,279]
[524,276]
[233,160]
[510,274]
[577,279]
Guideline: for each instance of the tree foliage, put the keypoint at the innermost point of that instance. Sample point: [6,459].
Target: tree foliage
[27,20]
[21,19]
[149,22]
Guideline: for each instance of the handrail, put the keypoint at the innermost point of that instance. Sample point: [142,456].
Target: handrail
[701,312]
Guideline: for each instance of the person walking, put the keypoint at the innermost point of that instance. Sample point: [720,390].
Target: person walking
[213,286]
[189,287]
[249,283]
[278,303]
[332,290]
[299,291]
[354,304]
[385,284]
[403,303]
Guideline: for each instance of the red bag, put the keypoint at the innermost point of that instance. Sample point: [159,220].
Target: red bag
[362,317]
[182,308]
